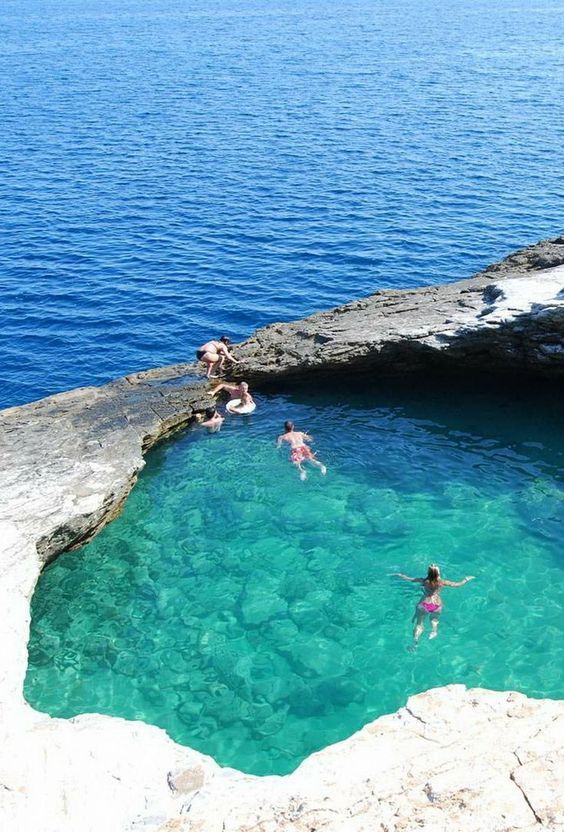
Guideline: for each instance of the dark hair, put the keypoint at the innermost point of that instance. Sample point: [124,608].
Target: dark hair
[288,426]
[433,574]
[225,340]
[210,412]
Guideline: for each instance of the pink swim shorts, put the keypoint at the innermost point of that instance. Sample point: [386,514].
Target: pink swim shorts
[300,453]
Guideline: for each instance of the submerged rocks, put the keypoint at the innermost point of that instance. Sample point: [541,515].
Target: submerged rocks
[261,603]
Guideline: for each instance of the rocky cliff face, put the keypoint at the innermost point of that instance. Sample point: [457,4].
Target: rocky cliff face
[452,759]
[507,319]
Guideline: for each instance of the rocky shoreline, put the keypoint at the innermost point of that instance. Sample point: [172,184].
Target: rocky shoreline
[507,319]
[453,758]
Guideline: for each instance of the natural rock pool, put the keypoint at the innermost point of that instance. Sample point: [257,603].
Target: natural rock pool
[252,615]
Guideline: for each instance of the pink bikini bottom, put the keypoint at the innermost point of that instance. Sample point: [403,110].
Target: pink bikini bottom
[428,606]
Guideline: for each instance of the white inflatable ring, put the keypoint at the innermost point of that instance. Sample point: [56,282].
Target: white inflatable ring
[233,407]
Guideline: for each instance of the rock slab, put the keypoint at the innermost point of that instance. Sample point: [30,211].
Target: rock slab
[507,319]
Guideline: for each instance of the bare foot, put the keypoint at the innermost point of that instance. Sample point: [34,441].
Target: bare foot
[433,634]
[323,470]
[303,476]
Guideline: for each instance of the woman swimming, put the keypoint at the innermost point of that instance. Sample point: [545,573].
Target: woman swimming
[431,603]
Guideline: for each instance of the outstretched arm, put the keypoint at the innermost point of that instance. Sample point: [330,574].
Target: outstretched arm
[459,583]
[220,387]
[406,577]
[224,351]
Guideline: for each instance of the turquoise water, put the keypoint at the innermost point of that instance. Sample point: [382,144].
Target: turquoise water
[252,615]
[172,170]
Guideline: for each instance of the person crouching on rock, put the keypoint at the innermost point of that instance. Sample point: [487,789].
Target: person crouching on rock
[299,451]
[214,353]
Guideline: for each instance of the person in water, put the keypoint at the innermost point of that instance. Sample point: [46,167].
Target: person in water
[299,451]
[213,420]
[214,354]
[236,391]
[431,603]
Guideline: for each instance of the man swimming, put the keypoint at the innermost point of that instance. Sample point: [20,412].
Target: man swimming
[431,603]
[214,353]
[299,451]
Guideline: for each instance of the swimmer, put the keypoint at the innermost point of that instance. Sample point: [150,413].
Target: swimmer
[299,451]
[214,353]
[236,391]
[430,604]
[213,420]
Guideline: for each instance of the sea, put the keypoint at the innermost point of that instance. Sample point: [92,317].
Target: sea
[175,170]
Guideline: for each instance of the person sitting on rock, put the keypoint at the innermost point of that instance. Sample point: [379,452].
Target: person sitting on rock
[213,420]
[214,353]
[430,604]
[299,451]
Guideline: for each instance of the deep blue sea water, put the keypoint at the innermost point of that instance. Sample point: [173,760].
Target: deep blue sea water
[173,169]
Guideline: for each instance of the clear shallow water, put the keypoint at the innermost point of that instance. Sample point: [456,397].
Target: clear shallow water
[171,170]
[252,616]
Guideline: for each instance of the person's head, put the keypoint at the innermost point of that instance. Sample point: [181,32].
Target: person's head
[433,573]
[210,412]
[288,426]
[243,387]
[225,340]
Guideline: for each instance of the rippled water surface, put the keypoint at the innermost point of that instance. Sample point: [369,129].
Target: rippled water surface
[173,169]
[253,616]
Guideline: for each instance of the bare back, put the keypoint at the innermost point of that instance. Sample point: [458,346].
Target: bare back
[213,347]
[432,589]
[295,438]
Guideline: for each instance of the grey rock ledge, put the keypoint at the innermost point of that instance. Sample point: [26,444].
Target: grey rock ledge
[507,319]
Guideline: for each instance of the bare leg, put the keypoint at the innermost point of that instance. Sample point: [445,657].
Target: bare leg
[303,474]
[419,622]
[210,359]
[434,626]
[319,465]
